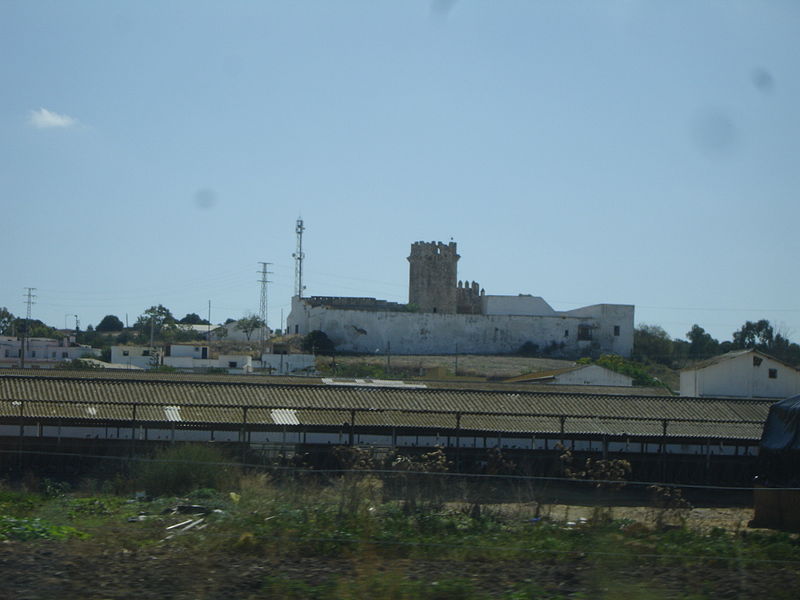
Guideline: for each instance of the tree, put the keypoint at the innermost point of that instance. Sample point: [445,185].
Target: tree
[34,328]
[318,342]
[701,344]
[249,324]
[157,317]
[193,319]
[652,344]
[758,335]
[110,323]
[6,321]
[761,335]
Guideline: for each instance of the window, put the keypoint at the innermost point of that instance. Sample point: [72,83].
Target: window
[757,360]
[145,352]
[53,355]
[33,354]
[773,373]
[232,364]
[65,355]
[566,333]
[584,333]
[616,330]
[125,353]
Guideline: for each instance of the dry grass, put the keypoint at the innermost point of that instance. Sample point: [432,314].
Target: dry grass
[469,365]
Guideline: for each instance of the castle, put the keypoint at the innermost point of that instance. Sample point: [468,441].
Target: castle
[447,316]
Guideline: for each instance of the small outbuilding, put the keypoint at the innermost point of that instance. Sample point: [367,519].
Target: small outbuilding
[741,374]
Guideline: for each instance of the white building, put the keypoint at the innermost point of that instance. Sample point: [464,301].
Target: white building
[143,357]
[743,374]
[602,328]
[448,316]
[41,353]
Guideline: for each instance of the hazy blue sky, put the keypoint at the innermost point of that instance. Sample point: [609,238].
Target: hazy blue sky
[636,152]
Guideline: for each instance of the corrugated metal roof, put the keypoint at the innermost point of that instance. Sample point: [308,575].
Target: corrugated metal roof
[198,401]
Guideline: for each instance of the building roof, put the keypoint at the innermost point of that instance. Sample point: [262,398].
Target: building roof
[212,401]
[715,360]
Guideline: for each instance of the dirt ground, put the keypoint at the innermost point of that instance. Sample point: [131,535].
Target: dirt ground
[82,569]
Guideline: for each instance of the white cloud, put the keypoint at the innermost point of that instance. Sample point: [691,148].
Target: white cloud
[45,119]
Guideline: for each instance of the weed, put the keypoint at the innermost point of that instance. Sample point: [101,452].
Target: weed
[12,528]
[185,467]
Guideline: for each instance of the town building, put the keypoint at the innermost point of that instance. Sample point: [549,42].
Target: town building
[448,316]
[41,353]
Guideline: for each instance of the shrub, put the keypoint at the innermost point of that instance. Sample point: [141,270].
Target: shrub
[182,468]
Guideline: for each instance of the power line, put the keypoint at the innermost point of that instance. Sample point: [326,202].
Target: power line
[263,308]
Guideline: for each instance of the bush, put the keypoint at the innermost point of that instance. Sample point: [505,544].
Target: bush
[318,342]
[183,468]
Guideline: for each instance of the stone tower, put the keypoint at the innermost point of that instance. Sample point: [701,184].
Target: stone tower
[432,277]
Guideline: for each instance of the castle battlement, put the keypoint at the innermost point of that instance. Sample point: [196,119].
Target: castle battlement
[433,249]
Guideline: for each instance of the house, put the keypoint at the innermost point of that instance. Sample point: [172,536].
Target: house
[741,374]
[41,353]
[143,357]
[576,375]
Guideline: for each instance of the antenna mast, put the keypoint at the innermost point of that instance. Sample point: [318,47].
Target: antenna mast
[263,308]
[298,260]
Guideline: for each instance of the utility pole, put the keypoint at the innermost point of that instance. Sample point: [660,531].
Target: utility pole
[263,308]
[30,299]
[298,260]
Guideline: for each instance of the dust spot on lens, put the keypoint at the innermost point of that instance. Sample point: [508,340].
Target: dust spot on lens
[714,132]
[763,80]
[205,198]
[442,8]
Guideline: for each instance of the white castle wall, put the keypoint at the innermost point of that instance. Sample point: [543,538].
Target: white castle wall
[436,333]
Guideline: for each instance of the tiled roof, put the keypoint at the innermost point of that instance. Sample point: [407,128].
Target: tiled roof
[198,401]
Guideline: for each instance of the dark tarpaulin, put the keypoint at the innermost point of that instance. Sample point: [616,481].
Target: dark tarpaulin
[782,429]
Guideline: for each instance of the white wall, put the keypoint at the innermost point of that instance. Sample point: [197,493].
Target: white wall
[284,364]
[133,355]
[185,350]
[740,377]
[436,333]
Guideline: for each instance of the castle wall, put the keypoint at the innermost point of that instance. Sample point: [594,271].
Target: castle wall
[436,333]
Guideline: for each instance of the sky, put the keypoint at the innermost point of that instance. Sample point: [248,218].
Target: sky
[617,151]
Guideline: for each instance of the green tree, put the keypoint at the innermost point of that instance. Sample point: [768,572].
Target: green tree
[652,344]
[6,322]
[761,335]
[159,318]
[193,319]
[110,323]
[318,342]
[248,324]
[34,328]
[701,344]
[758,335]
